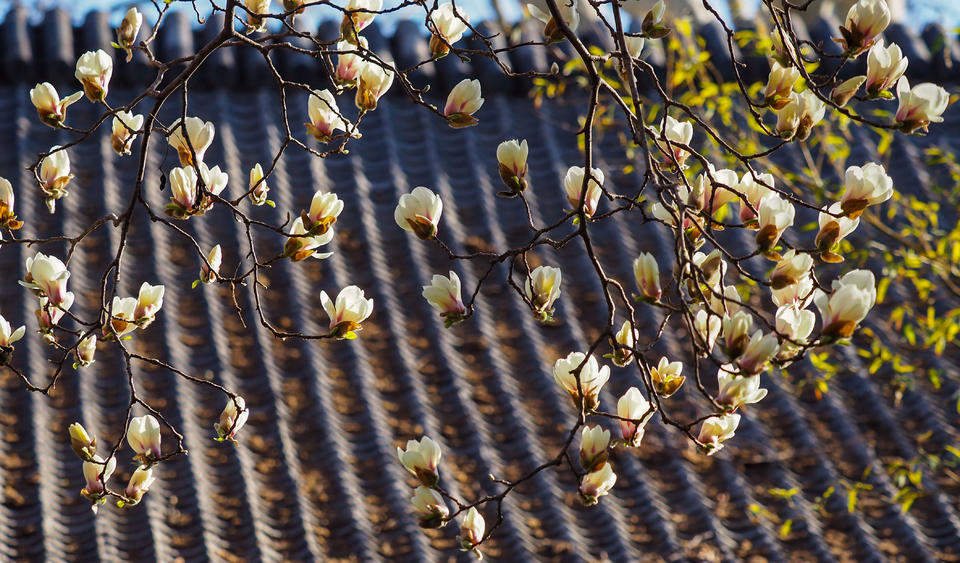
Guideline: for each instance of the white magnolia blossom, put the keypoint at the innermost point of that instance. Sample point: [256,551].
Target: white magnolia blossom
[149,302]
[551,30]
[7,217]
[713,193]
[54,176]
[350,62]
[792,267]
[647,273]
[256,9]
[443,294]
[668,376]
[774,216]
[735,391]
[422,460]
[94,69]
[143,435]
[726,301]
[542,288]
[574,189]
[462,102]
[185,196]
[594,441]
[885,66]
[419,212]
[633,406]
[798,117]
[634,45]
[759,350]
[736,332]
[471,529]
[780,84]
[707,327]
[210,268]
[302,245]
[674,131]
[448,27]
[592,378]
[596,484]
[200,135]
[753,190]
[47,277]
[716,430]
[346,313]
[8,335]
[512,160]
[124,132]
[429,506]
[51,109]
[128,30]
[845,91]
[712,266]
[865,186]
[325,208]
[853,295]
[232,419]
[82,443]
[358,14]
[834,227]
[123,318]
[864,22]
[624,337]
[86,350]
[920,106]
[325,118]
[92,471]
[258,185]
[373,81]
[140,482]
[795,324]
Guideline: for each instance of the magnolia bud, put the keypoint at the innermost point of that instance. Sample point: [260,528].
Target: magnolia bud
[94,69]
[51,109]
[232,419]
[736,391]
[429,507]
[631,408]
[419,212]
[325,116]
[210,268]
[674,131]
[551,30]
[199,134]
[864,22]
[462,102]
[758,351]
[593,446]
[97,473]
[7,217]
[791,268]
[647,273]
[576,191]
[834,227]
[707,327]
[54,176]
[258,186]
[512,157]
[596,484]
[846,90]
[780,85]
[774,216]
[863,187]
[125,127]
[373,81]
[255,9]
[324,210]
[471,530]
[422,460]
[443,294]
[128,30]
[302,245]
[715,430]
[350,309]
[143,435]
[83,444]
[736,332]
[543,289]
[86,350]
[795,325]
[623,343]
[139,484]
[358,14]
[7,337]
[853,296]
[149,302]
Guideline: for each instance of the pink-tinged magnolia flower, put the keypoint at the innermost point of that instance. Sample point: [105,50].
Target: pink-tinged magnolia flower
[51,109]
[594,441]
[795,325]
[647,273]
[7,218]
[54,176]
[83,444]
[736,390]
[47,277]
[512,158]
[552,31]
[780,85]
[325,116]
[49,315]
[596,484]
[128,30]
[358,14]
[753,190]
[302,245]
[123,318]
[834,227]
[210,268]
[633,406]
[864,22]
[443,294]
[447,25]
[462,102]
[8,336]
[759,350]
[885,66]
[372,83]
[94,69]
[125,127]
[573,187]
[622,345]
[86,350]
[419,212]
[350,63]
[97,473]
[471,531]
[774,216]
[422,460]
[854,294]
[350,309]
[139,484]
[143,435]
[668,376]
[232,419]
[149,302]
[846,90]
[863,187]
[256,9]
[674,131]
[920,106]
[542,288]
[790,269]
[258,185]
[716,430]
[199,134]
[797,118]
[430,508]
[324,210]
[592,378]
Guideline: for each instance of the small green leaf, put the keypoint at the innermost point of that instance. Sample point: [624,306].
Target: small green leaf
[350,335]
[195,284]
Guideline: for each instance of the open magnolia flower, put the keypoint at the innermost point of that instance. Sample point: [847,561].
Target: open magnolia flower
[716,430]
[302,245]
[7,218]
[780,85]
[864,22]
[594,441]
[51,109]
[551,30]
[419,212]
[186,199]
[707,327]
[128,30]
[596,484]
[422,460]
[7,337]
[350,309]
[199,136]
[47,277]
[94,69]
[512,158]
[430,508]
[232,419]
[796,119]
[54,176]
[673,132]
[125,127]
[149,303]
[668,376]
[834,227]
[358,14]
[885,66]
[325,118]
[373,81]
[143,435]
[752,189]
[736,332]
[542,288]
[737,390]
[123,318]
[760,349]
[324,210]
[863,187]
[573,187]
[349,63]
[919,106]
[795,324]
[853,295]
[592,377]
[775,215]
[632,406]
[462,102]
[792,268]
[443,294]
[448,25]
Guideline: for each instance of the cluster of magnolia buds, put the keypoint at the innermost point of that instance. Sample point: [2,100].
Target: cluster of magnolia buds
[127,314]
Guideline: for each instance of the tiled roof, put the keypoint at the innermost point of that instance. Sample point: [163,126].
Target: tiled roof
[315,476]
